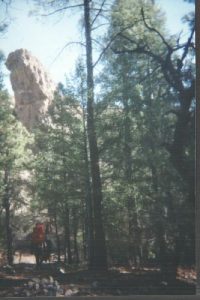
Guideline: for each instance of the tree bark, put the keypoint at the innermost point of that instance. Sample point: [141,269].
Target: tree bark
[100,257]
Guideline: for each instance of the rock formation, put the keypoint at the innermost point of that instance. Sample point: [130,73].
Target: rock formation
[32,86]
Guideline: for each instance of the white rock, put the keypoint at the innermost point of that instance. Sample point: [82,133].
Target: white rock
[164,283]
[27,293]
[56,284]
[62,271]
[45,291]
[30,284]
[68,293]
[37,280]
[44,281]
[37,286]
[51,279]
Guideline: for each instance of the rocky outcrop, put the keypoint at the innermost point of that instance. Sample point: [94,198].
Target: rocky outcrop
[32,86]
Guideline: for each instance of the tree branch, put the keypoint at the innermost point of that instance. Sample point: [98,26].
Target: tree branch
[98,13]
[8,2]
[97,42]
[129,39]
[110,42]
[94,28]
[61,9]
[67,45]
[140,50]
[166,64]
[155,30]
[188,44]
[146,76]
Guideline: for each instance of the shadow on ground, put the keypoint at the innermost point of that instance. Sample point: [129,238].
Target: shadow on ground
[86,283]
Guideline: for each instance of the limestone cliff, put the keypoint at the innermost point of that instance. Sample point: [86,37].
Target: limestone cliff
[32,86]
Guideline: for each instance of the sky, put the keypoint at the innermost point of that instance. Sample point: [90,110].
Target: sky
[46,37]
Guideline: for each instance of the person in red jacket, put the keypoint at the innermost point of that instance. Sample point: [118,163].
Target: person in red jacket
[38,235]
[41,245]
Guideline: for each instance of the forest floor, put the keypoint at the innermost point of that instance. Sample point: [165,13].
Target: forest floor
[52,279]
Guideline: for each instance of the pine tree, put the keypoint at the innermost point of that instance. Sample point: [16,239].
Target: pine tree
[14,140]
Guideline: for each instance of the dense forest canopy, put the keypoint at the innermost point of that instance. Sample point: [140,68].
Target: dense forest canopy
[111,165]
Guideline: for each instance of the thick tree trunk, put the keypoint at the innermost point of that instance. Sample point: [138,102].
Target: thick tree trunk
[100,257]
[177,149]
[168,259]
[184,167]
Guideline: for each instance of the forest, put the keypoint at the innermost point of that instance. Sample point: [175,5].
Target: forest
[110,169]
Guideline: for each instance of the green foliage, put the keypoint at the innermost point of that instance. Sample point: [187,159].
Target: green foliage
[15,156]
[127,23]
[135,120]
[59,160]
[1,74]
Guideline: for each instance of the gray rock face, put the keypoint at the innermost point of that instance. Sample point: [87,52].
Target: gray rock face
[32,86]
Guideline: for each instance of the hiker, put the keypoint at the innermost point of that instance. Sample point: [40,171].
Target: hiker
[41,247]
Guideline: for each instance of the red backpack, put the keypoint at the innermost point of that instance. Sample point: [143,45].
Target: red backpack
[38,235]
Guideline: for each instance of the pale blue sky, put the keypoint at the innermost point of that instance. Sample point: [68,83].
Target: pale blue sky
[45,38]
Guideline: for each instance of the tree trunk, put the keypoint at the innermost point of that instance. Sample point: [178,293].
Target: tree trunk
[67,235]
[75,230]
[100,257]
[89,226]
[166,259]
[65,246]
[134,231]
[7,221]
[57,238]
[159,228]
[84,242]
[8,234]
[76,252]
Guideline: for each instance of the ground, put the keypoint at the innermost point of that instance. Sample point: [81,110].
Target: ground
[56,280]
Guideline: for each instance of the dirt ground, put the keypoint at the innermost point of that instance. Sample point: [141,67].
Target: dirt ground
[80,282]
